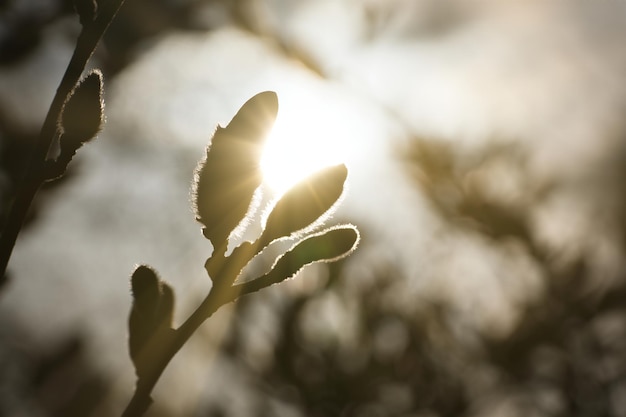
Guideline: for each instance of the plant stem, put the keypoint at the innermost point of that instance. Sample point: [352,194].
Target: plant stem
[223,272]
[141,400]
[34,176]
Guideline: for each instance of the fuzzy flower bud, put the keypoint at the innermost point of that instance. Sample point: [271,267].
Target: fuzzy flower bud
[83,112]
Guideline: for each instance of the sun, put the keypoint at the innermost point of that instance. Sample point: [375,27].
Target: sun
[299,144]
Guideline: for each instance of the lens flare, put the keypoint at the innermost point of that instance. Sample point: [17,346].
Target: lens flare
[299,144]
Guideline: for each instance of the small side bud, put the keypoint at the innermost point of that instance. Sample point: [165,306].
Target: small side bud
[165,312]
[150,318]
[83,113]
[145,289]
[82,117]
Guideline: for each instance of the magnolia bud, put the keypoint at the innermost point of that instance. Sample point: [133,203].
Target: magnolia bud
[83,112]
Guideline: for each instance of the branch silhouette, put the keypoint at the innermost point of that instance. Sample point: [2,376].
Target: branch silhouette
[224,186]
[95,18]
[223,190]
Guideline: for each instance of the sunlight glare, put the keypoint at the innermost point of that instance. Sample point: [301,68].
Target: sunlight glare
[301,143]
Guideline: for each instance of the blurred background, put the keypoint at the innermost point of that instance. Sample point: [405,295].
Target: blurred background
[486,143]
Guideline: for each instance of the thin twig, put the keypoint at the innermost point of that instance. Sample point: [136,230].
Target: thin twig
[33,175]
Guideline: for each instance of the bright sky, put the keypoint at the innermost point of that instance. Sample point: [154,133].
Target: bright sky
[306,137]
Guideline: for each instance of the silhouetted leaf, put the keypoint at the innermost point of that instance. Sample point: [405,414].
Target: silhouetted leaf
[83,113]
[304,203]
[327,246]
[150,315]
[229,175]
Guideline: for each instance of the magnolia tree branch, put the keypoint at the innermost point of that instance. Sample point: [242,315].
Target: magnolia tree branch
[34,174]
[142,400]
[224,186]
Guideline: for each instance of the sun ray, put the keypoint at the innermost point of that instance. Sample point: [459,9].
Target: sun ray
[299,144]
